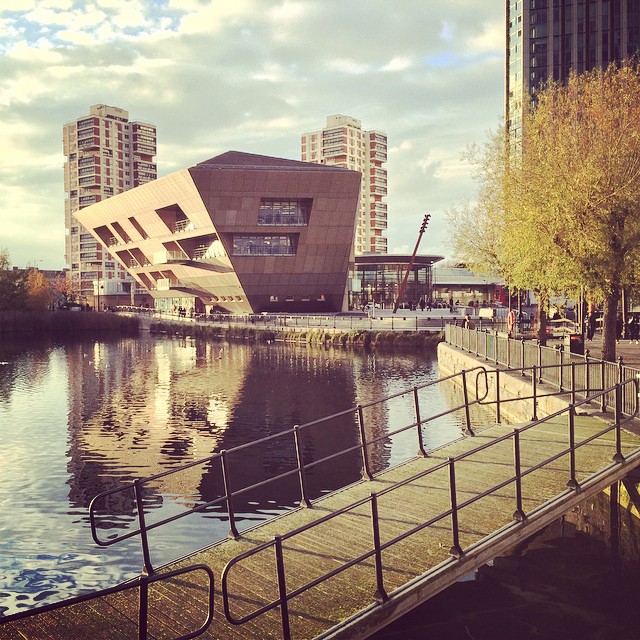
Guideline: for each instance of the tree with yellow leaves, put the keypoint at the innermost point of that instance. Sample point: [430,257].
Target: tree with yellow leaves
[38,291]
[569,196]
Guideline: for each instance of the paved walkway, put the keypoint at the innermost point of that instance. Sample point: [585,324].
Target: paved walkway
[628,349]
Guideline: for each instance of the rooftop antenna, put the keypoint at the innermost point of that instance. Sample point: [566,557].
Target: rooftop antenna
[423,226]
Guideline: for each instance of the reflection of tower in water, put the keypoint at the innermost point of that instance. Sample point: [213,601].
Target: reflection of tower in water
[138,408]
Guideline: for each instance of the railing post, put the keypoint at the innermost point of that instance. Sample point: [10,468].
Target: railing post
[534,391]
[147,567]
[233,531]
[539,359]
[477,334]
[508,352]
[143,607]
[620,370]
[366,471]
[282,589]
[572,483]
[586,373]
[381,594]
[465,393]
[416,404]
[618,457]
[561,355]
[522,360]
[455,550]
[495,346]
[486,345]
[603,402]
[498,412]
[573,382]
[519,513]
[304,499]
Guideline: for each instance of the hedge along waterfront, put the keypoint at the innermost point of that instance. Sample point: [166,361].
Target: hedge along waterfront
[413,340]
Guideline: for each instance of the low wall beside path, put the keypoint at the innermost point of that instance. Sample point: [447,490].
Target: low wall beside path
[511,385]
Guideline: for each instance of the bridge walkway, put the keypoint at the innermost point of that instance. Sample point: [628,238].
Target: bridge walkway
[429,536]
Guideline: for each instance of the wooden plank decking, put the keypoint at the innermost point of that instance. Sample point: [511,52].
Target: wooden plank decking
[178,606]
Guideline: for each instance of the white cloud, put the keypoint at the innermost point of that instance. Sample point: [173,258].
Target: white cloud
[492,38]
[250,75]
[129,16]
[352,67]
[397,64]
[46,16]
[214,16]
[447,31]
[18,5]
[271,72]
[41,54]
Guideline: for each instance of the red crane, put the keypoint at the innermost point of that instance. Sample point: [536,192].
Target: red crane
[423,226]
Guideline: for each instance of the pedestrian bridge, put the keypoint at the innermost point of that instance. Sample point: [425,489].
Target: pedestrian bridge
[346,564]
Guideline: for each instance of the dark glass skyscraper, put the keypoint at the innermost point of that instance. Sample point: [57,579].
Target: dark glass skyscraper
[546,39]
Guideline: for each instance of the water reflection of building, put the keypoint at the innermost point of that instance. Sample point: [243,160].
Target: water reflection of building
[138,408]
[276,397]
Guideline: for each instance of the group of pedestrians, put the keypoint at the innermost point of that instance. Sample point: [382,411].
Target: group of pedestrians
[629,330]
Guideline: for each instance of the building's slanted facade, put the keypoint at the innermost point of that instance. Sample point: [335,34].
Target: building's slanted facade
[239,233]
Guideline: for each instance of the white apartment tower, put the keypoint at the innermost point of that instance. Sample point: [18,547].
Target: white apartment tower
[105,154]
[343,143]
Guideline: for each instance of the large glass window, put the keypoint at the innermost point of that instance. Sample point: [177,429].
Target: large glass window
[265,245]
[294,212]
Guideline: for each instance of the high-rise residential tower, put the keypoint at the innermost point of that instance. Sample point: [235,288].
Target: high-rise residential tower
[105,154]
[546,39]
[343,143]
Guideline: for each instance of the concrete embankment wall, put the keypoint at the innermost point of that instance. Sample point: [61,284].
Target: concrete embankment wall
[511,386]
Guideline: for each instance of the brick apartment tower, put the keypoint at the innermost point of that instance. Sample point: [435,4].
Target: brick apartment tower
[546,39]
[105,154]
[343,143]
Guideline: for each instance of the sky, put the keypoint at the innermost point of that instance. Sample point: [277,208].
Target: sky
[251,76]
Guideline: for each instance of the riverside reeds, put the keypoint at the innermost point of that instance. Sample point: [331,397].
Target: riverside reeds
[65,323]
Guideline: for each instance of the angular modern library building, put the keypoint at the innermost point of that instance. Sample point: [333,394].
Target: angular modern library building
[237,233]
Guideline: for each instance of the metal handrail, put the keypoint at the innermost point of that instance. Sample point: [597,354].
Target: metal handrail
[142,583]
[137,486]
[228,496]
[456,550]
